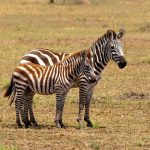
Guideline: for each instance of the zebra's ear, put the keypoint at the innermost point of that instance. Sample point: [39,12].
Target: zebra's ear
[120,34]
[92,53]
[110,34]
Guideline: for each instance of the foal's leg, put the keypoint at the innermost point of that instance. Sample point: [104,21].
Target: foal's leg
[61,109]
[24,111]
[18,101]
[82,98]
[30,109]
[26,117]
[87,106]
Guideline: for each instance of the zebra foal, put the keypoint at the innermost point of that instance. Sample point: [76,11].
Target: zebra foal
[31,78]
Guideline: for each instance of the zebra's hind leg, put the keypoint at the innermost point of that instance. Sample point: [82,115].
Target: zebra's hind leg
[24,111]
[18,101]
[30,109]
[87,106]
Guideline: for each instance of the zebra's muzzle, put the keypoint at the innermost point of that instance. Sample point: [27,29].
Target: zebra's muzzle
[122,62]
[92,79]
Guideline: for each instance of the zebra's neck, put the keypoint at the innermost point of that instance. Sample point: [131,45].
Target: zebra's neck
[101,55]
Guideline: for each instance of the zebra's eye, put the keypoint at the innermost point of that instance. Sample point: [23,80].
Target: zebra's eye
[112,46]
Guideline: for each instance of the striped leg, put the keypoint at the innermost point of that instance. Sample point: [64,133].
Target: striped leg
[30,109]
[87,106]
[18,100]
[82,98]
[60,98]
[27,122]
[27,108]
[24,111]
[61,110]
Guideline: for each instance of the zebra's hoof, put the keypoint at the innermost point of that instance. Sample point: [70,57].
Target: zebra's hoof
[19,125]
[26,126]
[35,124]
[61,124]
[58,125]
[29,123]
[89,124]
[80,123]
[57,122]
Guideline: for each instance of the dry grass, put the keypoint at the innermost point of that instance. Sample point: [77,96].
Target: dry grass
[120,107]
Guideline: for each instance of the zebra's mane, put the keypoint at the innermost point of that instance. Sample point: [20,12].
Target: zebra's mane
[107,35]
[110,34]
[74,54]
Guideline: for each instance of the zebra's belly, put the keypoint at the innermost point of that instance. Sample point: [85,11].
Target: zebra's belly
[43,90]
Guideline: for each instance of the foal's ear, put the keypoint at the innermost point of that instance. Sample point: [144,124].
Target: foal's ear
[120,34]
[110,34]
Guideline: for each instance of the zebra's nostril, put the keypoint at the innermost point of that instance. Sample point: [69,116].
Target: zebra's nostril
[122,65]
[122,62]
[92,79]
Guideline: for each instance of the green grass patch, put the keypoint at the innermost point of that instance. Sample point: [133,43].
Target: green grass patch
[95,146]
[3,147]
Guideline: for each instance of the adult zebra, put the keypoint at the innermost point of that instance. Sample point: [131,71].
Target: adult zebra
[59,78]
[107,47]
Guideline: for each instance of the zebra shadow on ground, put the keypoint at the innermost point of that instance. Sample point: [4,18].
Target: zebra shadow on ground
[40,126]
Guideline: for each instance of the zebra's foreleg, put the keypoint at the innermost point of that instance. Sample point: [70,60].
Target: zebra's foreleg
[59,109]
[87,106]
[82,98]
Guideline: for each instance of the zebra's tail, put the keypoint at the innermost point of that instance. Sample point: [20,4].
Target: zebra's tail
[12,96]
[9,89]
[10,92]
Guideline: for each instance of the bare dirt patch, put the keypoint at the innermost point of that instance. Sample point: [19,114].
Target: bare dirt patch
[134,95]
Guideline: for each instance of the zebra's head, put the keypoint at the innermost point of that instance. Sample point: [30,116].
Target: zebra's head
[114,47]
[88,66]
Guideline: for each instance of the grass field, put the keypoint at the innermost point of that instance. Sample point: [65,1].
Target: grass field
[120,108]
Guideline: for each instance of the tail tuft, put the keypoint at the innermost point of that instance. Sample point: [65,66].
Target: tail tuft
[9,89]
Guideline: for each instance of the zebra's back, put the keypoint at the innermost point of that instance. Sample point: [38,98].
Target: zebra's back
[37,78]
[43,57]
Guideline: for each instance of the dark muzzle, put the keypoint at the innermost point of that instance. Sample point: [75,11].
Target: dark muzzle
[92,78]
[122,62]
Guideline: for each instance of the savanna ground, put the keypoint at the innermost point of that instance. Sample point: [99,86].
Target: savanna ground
[120,108]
